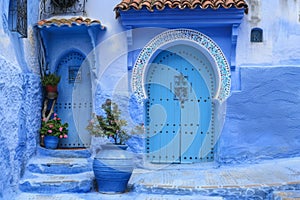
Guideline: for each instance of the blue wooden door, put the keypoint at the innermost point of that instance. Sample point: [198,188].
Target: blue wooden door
[179,108]
[74,103]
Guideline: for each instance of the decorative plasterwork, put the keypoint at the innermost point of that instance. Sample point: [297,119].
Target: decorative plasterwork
[167,37]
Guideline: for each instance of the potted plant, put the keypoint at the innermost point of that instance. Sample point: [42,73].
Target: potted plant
[113,165]
[52,130]
[50,82]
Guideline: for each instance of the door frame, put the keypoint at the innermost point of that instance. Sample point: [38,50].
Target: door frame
[205,45]
[182,36]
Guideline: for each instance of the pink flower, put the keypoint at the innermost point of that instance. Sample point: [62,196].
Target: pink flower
[50,126]
[49,131]
[54,118]
[60,129]
[58,119]
[65,136]
[60,136]
[55,114]
[44,119]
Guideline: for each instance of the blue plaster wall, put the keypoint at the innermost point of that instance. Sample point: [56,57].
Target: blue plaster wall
[20,105]
[249,133]
[59,45]
[262,111]
[262,119]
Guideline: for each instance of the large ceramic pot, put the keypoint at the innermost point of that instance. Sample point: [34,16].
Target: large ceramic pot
[113,167]
[51,142]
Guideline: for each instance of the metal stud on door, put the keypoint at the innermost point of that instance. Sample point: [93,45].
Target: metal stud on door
[179,108]
[74,104]
[161,126]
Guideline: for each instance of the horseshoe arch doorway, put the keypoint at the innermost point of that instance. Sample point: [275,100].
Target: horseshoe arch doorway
[179,115]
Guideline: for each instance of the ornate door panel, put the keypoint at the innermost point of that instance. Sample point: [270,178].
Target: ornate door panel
[179,107]
[74,103]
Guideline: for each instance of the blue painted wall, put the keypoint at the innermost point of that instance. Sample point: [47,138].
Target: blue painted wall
[261,121]
[263,118]
[20,103]
[262,112]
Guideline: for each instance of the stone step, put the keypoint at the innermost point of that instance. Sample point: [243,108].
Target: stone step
[64,153]
[54,183]
[286,195]
[125,196]
[56,165]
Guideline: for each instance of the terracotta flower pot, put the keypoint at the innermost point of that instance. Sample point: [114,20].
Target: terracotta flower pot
[51,92]
[51,88]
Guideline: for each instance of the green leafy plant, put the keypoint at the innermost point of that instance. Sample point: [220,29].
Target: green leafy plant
[54,127]
[110,125]
[50,79]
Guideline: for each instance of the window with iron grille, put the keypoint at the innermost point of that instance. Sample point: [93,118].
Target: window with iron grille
[50,8]
[18,17]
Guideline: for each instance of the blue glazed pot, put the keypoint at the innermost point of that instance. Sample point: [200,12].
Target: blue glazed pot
[51,142]
[113,167]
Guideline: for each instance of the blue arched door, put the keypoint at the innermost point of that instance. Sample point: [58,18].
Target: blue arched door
[74,103]
[179,86]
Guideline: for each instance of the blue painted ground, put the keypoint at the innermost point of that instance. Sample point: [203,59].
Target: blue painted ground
[274,179]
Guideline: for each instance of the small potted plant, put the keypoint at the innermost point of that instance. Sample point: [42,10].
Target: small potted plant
[110,125]
[50,82]
[113,165]
[52,130]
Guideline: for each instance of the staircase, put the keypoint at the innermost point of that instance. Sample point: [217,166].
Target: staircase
[67,175]
[58,171]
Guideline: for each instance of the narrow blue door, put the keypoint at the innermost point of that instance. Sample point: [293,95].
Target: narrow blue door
[74,104]
[179,107]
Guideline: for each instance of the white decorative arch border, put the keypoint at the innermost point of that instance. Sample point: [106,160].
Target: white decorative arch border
[223,69]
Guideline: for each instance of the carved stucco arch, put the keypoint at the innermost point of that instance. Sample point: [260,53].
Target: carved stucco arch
[201,41]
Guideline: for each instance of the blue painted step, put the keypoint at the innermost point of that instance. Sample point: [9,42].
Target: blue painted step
[57,183]
[55,165]
[58,171]
[64,153]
